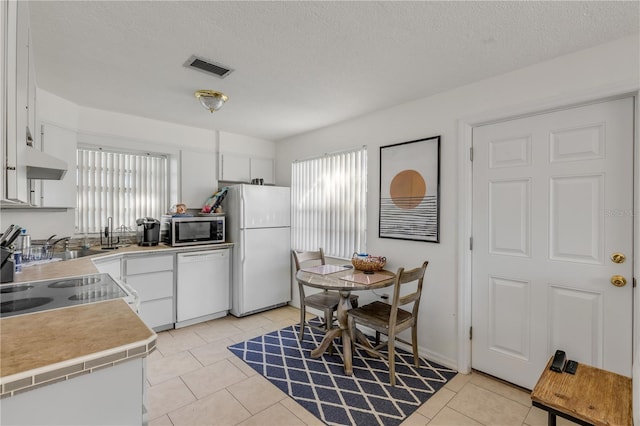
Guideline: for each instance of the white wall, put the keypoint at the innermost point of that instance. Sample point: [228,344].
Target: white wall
[246,145]
[117,130]
[611,65]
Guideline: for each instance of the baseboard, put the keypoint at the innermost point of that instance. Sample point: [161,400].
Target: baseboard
[423,352]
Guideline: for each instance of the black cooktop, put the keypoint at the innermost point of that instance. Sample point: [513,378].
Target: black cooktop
[35,296]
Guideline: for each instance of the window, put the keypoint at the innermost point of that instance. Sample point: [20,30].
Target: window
[329,201]
[121,185]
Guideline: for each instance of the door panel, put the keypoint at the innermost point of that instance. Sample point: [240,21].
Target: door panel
[510,319]
[576,219]
[510,205]
[552,200]
[582,312]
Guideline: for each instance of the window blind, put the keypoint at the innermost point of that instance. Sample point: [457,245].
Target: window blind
[329,201]
[124,186]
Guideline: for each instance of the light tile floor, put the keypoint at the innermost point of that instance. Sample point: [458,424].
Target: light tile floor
[194,380]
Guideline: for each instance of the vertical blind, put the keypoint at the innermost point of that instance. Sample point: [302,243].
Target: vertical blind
[124,186]
[329,201]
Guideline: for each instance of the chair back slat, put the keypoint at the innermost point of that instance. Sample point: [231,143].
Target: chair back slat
[406,277]
[300,257]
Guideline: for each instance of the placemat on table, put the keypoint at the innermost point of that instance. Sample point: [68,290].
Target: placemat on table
[324,269]
[362,278]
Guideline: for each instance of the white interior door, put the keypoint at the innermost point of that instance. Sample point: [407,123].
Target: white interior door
[552,202]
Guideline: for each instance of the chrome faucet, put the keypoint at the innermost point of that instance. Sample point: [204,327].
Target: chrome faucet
[53,244]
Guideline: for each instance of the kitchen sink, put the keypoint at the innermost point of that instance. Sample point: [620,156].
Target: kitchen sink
[75,254]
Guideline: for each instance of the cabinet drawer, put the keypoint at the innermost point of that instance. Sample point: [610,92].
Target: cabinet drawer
[154,285]
[143,265]
[157,313]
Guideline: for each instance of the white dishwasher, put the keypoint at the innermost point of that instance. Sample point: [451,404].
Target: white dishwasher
[203,286]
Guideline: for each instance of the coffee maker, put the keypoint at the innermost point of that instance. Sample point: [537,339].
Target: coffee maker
[148,232]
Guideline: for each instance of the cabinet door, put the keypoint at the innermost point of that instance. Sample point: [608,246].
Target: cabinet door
[157,314]
[109,266]
[152,285]
[197,177]
[31,91]
[61,143]
[234,168]
[15,65]
[262,168]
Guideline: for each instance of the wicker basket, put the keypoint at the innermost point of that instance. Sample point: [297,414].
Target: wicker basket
[369,263]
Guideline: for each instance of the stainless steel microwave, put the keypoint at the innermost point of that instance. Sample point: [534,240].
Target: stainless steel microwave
[192,230]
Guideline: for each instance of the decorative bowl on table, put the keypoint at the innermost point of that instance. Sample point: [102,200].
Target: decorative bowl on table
[367,263]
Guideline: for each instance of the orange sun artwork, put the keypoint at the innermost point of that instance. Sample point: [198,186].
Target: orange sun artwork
[407,189]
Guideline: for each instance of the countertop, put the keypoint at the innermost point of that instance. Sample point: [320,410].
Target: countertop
[51,346]
[84,265]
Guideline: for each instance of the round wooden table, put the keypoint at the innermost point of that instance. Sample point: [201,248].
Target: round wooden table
[344,282]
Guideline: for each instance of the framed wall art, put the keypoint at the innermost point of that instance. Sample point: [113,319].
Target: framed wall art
[410,190]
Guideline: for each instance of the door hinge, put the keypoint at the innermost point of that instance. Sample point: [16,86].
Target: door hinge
[470,333]
[471,154]
[634,282]
[470,243]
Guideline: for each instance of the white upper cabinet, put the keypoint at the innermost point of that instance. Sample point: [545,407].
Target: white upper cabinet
[15,99]
[197,177]
[234,168]
[239,168]
[262,168]
[61,143]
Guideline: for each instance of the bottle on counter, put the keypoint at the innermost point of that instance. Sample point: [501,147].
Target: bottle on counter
[17,256]
[24,245]
[86,244]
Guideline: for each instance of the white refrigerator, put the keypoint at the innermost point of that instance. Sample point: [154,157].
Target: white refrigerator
[258,223]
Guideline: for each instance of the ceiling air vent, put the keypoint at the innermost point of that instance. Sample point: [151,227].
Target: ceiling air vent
[208,67]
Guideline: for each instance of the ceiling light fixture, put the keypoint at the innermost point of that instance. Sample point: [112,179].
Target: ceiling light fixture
[211,99]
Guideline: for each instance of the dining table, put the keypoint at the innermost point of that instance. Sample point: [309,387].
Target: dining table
[344,280]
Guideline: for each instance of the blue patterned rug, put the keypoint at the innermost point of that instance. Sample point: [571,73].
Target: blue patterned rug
[320,385]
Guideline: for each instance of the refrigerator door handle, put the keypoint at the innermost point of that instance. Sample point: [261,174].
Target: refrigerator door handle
[242,203]
[244,248]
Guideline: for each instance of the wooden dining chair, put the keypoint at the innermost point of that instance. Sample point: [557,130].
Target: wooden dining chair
[390,319]
[325,301]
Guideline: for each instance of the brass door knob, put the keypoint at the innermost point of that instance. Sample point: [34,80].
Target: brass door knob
[618,258]
[618,280]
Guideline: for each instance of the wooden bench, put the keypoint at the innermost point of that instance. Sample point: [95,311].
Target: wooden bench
[590,397]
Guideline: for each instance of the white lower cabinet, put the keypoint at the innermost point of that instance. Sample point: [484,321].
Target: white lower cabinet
[152,276]
[109,265]
[108,396]
[175,289]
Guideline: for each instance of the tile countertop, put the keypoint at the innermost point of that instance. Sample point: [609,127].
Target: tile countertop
[51,346]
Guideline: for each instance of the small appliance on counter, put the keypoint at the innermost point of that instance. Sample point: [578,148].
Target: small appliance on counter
[187,230]
[8,265]
[148,232]
[7,262]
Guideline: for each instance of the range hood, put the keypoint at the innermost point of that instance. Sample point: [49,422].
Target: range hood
[44,166]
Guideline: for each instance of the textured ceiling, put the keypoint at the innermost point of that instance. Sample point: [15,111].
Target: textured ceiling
[298,66]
